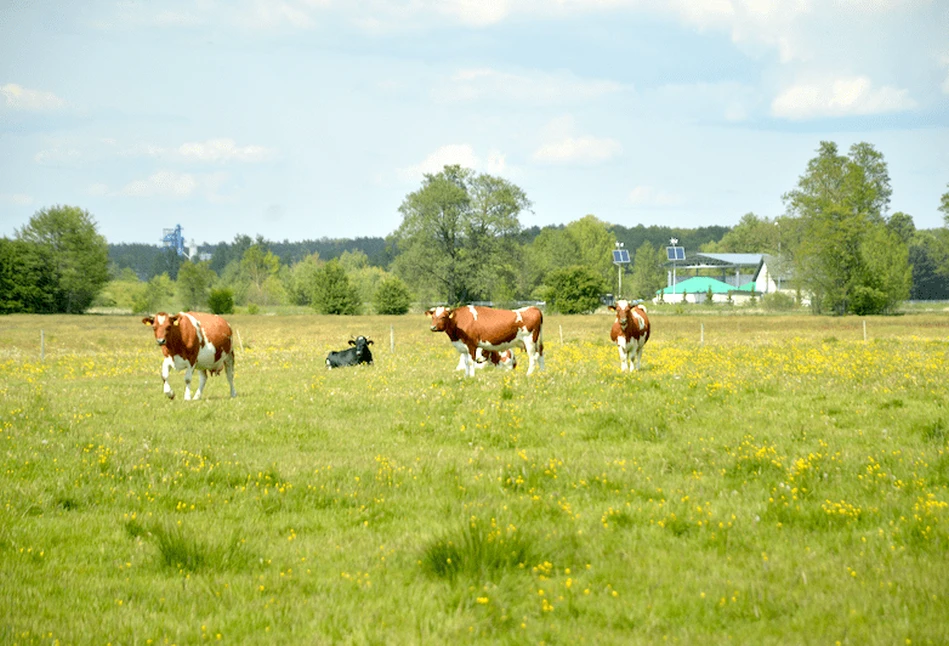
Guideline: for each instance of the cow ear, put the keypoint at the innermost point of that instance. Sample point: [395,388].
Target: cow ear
[174,319]
[612,308]
[429,312]
[148,320]
[351,342]
[369,342]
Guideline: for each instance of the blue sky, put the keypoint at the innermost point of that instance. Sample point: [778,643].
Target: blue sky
[299,119]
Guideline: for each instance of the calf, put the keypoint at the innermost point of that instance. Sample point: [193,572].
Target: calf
[471,328]
[630,332]
[357,354]
[193,341]
[503,359]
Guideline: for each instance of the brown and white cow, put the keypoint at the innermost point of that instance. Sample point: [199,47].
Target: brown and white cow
[471,328]
[193,341]
[630,332]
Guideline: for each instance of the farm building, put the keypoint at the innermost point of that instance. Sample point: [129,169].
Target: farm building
[696,289]
[740,274]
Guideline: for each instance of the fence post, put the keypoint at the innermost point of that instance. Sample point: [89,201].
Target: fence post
[42,345]
[391,338]
[561,334]
[864,330]
[702,333]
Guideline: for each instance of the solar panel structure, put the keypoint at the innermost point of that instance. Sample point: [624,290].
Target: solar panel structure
[675,253]
[621,256]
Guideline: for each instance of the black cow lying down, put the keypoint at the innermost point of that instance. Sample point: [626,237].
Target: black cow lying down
[359,353]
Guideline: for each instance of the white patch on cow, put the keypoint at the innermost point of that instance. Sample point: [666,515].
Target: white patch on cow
[518,317]
[161,319]
[639,320]
[474,312]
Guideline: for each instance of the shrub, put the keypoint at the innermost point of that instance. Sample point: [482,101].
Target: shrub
[392,296]
[221,301]
[777,302]
[574,290]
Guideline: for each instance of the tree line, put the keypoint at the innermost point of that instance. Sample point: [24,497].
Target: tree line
[461,241]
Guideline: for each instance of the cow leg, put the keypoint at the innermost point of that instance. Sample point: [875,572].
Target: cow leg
[189,372]
[202,379]
[462,364]
[532,354]
[166,367]
[467,358]
[624,361]
[229,371]
[639,353]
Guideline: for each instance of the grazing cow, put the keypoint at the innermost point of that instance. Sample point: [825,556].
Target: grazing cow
[357,354]
[630,332]
[504,359]
[471,328]
[193,341]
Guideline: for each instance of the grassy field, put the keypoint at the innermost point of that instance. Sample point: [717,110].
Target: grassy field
[783,482]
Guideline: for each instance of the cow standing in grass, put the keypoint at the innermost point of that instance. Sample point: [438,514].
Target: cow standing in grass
[630,332]
[193,341]
[471,328]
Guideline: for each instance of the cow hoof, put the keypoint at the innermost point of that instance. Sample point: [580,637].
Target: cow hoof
[170,395]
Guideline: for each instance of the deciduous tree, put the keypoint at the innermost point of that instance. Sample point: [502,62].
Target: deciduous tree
[456,230]
[79,255]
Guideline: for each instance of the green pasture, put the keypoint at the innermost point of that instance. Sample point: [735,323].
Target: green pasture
[763,480]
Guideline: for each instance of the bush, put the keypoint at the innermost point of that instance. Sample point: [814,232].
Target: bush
[392,296]
[867,300]
[574,290]
[332,292]
[221,301]
[778,302]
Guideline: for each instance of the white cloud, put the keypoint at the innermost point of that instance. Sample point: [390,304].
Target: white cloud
[477,13]
[57,155]
[211,151]
[21,98]
[18,199]
[583,150]
[649,196]
[460,154]
[170,184]
[562,146]
[223,150]
[534,88]
[840,97]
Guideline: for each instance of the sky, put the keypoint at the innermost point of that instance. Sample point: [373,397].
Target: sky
[304,119]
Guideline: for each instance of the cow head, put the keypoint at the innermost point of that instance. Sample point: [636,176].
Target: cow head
[622,309]
[441,318]
[361,344]
[161,324]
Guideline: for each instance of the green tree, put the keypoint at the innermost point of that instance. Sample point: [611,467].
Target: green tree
[929,257]
[840,201]
[302,278]
[259,269]
[158,295]
[79,255]
[27,278]
[456,231]
[944,206]
[332,292]
[194,284]
[575,290]
[902,225]
[392,296]
[221,301]
[587,241]
[751,235]
[649,274]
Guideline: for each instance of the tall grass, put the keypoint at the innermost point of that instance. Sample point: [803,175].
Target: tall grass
[783,482]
